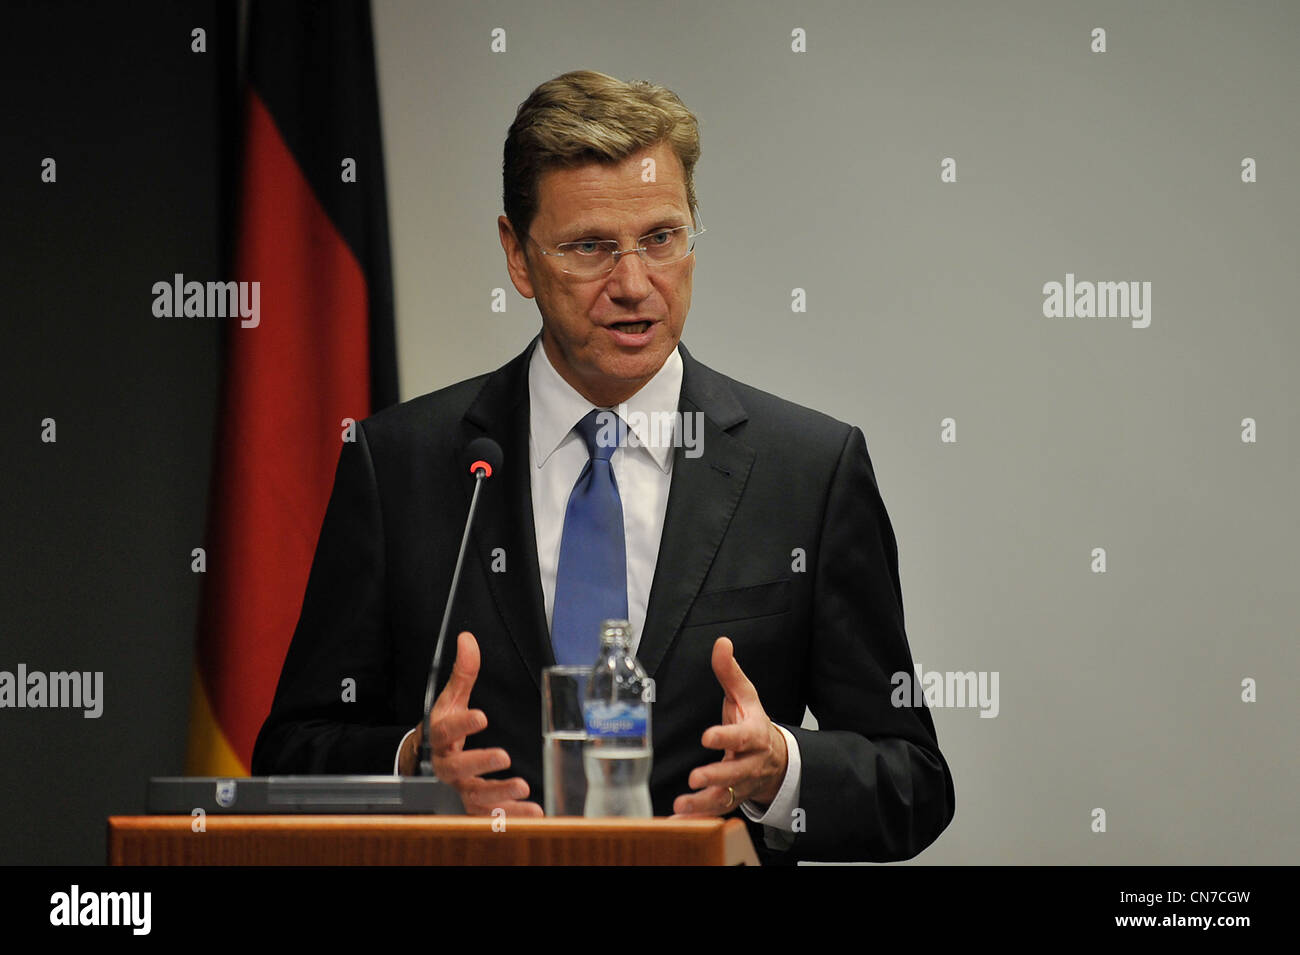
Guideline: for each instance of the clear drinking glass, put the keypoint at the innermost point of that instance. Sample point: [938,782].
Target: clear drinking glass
[564,733]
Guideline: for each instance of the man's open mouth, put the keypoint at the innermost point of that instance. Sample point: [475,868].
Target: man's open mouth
[632,328]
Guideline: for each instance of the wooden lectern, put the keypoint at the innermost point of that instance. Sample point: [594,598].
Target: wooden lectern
[425,840]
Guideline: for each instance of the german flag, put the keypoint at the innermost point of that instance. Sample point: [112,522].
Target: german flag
[312,229]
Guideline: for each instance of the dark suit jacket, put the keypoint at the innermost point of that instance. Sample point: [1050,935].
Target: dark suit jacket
[775,481]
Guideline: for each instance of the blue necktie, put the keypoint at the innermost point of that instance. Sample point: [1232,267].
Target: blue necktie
[591,580]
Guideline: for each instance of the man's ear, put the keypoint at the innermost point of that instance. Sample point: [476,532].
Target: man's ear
[516,259]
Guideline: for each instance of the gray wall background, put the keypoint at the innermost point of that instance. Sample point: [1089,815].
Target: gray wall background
[820,171]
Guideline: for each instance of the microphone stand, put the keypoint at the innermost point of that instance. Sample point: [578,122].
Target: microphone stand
[425,765]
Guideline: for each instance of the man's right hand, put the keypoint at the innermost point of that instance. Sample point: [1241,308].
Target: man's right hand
[449,723]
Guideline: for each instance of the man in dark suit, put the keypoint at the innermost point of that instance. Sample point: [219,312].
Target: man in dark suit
[760,565]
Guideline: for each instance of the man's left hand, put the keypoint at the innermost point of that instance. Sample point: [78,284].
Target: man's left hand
[754,751]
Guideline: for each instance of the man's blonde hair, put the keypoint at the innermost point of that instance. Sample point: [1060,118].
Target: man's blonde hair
[584,116]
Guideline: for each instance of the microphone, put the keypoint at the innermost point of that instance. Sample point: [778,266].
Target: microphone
[482,458]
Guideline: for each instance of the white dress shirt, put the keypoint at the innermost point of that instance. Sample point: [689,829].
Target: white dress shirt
[558,455]
[643,469]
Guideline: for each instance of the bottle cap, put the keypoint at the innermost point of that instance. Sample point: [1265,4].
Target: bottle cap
[616,632]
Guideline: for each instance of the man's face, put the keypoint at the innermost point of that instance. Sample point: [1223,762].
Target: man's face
[582,331]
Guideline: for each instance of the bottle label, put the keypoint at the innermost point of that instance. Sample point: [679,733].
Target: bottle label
[606,720]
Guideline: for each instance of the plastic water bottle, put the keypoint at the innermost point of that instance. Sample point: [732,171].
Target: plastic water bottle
[617,754]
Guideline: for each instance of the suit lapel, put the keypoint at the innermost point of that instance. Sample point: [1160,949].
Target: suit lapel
[505,515]
[701,501]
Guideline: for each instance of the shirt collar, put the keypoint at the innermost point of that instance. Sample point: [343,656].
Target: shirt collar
[555,407]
